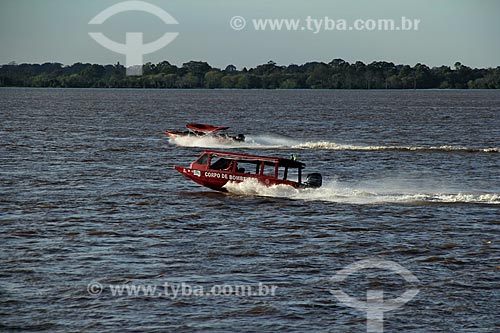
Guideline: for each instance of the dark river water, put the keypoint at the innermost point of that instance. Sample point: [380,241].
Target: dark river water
[90,203]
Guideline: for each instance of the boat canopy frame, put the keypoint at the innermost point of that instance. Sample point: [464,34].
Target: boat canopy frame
[205,128]
[260,162]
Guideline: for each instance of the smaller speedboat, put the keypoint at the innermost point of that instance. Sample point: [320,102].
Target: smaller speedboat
[204,130]
[215,169]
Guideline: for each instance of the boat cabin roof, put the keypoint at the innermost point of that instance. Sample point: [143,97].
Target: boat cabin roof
[282,162]
[205,128]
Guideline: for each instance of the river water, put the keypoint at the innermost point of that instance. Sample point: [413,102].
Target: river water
[90,202]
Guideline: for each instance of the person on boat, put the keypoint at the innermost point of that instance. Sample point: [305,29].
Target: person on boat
[230,166]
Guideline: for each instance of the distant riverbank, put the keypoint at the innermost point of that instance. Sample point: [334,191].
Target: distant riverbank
[337,74]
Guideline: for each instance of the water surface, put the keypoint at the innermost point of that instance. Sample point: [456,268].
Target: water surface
[88,193]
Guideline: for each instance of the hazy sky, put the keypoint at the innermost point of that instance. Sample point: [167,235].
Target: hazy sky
[468,31]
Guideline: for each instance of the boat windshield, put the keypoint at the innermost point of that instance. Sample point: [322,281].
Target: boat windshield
[196,133]
[221,164]
[203,160]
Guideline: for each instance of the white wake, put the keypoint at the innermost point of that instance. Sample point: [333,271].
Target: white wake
[263,141]
[361,194]
[269,141]
[326,145]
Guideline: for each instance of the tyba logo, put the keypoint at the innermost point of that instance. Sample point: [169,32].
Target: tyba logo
[134,48]
[375,304]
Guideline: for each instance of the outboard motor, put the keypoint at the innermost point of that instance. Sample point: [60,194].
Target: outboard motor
[239,137]
[313,180]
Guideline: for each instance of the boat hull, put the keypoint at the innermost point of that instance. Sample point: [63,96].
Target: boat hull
[216,180]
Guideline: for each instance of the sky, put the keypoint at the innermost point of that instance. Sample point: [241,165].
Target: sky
[468,31]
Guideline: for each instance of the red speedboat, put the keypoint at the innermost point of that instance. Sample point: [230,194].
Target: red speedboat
[215,169]
[205,130]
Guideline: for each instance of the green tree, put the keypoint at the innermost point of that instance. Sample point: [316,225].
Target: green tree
[213,79]
[188,81]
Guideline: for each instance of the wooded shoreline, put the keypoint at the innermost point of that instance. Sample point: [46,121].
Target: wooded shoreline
[337,74]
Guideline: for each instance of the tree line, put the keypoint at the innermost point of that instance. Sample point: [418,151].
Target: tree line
[337,74]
